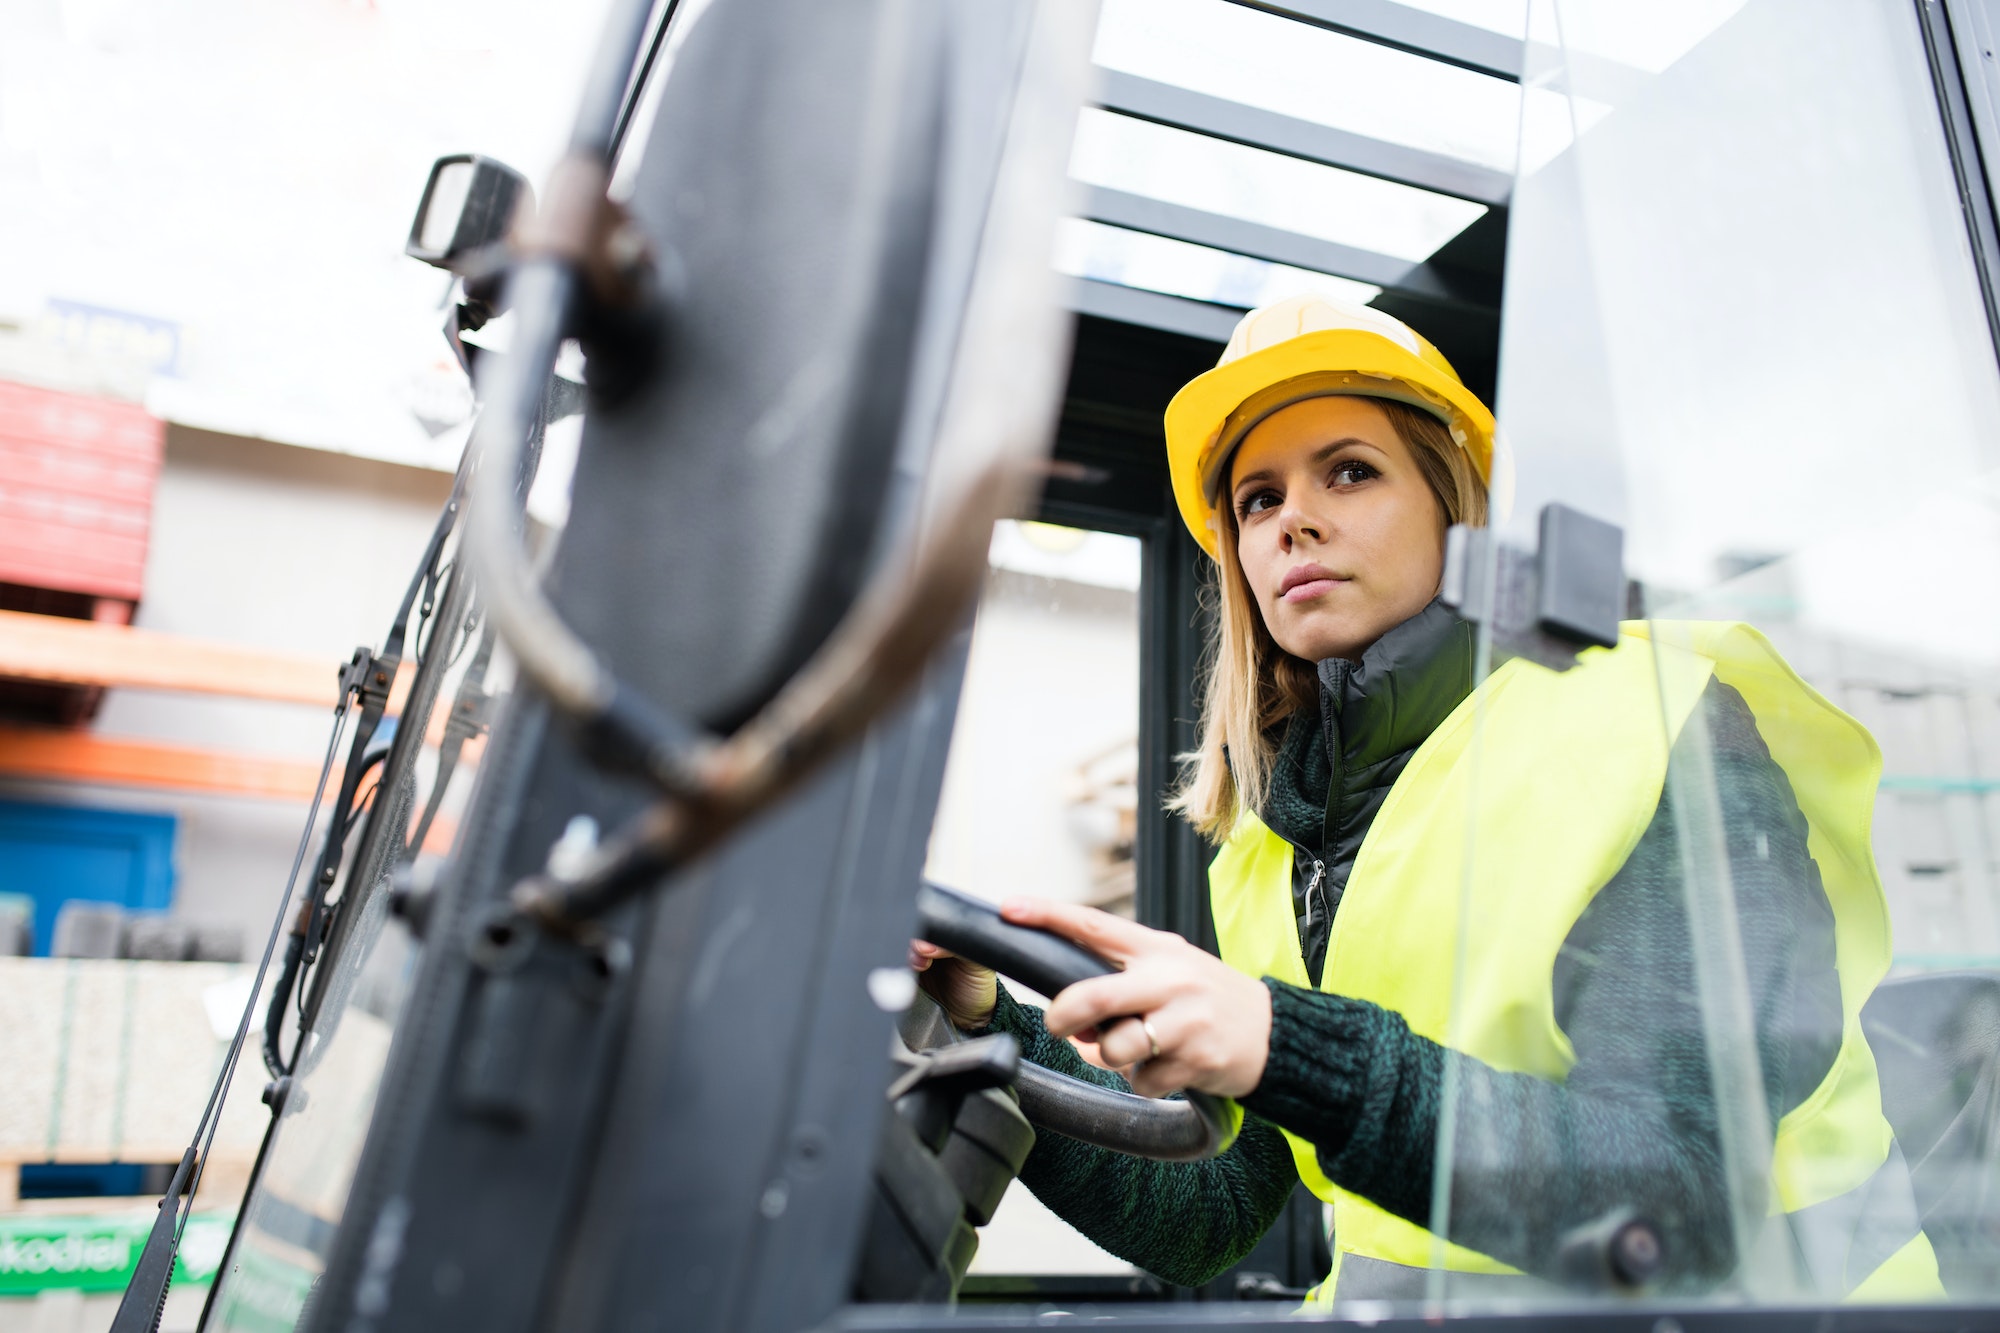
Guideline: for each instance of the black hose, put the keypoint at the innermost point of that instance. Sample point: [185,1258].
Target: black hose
[274,1014]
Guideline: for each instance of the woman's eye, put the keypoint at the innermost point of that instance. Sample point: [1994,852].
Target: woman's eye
[1350,472]
[1256,503]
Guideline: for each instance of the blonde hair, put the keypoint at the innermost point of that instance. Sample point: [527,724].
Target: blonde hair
[1251,683]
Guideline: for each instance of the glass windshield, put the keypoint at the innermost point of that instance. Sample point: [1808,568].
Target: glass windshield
[1719,1010]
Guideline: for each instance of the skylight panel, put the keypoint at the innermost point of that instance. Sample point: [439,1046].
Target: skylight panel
[1509,18]
[1180,268]
[1295,69]
[1251,184]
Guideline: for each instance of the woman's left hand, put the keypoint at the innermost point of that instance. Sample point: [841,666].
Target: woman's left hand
[1212,1023]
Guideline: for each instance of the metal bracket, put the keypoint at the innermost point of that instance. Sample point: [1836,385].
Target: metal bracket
[364,675]
[368,677]
[1546,605]
[470,714]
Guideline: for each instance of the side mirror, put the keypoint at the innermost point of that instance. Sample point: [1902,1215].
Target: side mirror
[468,204]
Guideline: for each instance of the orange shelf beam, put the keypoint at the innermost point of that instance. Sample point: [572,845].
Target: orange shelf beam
[51,755]
[80,756]
[84,652]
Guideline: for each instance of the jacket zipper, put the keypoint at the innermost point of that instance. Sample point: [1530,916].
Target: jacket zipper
[1315,889]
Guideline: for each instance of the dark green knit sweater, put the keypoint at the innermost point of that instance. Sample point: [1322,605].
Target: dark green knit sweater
[1634,1122]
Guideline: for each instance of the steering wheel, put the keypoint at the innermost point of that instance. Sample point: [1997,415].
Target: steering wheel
[1172,1130]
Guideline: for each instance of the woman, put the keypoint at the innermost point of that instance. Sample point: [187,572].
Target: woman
[1320,464]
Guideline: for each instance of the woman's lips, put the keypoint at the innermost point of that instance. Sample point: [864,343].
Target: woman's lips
[1311,588]
[1304,582]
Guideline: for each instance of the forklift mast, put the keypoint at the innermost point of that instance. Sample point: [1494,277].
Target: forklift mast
[838,336]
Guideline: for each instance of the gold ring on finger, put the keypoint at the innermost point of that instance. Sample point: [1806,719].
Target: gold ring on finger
[1152,1038]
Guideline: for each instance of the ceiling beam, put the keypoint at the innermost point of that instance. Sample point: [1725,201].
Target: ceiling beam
[1418,280]
[1407,29]
[1166,104]
[1153,310]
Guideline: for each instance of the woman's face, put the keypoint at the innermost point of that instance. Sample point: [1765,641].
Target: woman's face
[1340,537]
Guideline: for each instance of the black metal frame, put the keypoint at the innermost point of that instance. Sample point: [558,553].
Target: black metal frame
[1243,1318]
[1956,54]
[655,43]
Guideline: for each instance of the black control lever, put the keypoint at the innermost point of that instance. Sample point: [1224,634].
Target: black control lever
[930,1091]
[990,1062]
[1187,1130]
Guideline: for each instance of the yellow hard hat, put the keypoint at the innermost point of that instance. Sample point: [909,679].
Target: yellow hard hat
[1308,347]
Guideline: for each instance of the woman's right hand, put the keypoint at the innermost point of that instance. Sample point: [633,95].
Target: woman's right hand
[965,991]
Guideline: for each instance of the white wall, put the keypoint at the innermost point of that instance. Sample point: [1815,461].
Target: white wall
[1053,682]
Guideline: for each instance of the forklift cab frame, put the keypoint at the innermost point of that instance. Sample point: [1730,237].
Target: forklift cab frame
[606,1181]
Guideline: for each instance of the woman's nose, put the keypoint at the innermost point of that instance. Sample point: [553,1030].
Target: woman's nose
[1297,525]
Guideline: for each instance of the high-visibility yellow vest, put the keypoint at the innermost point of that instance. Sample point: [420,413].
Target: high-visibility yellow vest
[1570,768]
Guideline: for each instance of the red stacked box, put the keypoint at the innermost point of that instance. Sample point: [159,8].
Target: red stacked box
[76,491]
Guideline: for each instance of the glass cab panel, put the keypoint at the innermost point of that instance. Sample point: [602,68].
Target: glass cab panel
[1720,1005]
[1040,787]
[1041,796]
